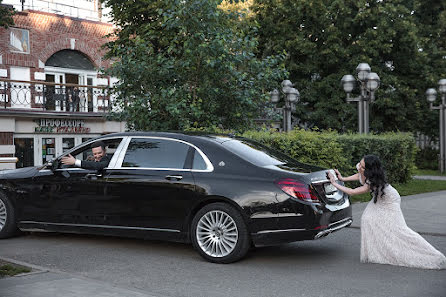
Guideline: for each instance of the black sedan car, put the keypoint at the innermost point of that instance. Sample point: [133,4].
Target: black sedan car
[224,194]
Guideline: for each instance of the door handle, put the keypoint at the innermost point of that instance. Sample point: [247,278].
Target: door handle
[176,177]
[93,176]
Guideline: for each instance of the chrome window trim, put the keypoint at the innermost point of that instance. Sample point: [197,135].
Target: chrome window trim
[121,147]
[209,166]
[70,169]
[63,169]
[101,226]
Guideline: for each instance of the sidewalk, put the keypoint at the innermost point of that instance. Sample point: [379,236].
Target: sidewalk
[424,213]
[42,282]
[430,177]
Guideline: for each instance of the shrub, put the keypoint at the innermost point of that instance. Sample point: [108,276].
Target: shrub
[332,150]
[396,151]
[427,158]
[342,151]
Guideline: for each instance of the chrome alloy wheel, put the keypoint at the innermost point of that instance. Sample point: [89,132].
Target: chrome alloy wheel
[2,214]
[217,233]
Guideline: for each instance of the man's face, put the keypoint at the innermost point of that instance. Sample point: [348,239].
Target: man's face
[98,153]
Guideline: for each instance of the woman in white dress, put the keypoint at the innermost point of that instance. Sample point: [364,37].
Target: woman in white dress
[385,237]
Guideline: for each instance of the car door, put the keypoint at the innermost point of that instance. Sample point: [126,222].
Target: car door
[63,192]
[68,197]
[155,188]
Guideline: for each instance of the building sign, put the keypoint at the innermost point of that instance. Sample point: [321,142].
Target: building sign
[61,126]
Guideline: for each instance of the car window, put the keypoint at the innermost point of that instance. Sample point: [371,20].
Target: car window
[199,163]
[84,152]
[261,155]
[254,153]
[155,153]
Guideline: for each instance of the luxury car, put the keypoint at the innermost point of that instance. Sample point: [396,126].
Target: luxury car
[222,193]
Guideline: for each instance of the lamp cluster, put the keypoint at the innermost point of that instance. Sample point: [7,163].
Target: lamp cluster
[291,96]
[368,82]
[431,95]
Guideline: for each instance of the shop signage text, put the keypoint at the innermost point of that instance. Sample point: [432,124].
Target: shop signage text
[61,126]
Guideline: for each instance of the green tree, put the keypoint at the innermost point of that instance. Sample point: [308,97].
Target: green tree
[431,20]
[326,39]
[184,64]
[6,14]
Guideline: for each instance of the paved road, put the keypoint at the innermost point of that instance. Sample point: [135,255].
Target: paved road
[327,267]
[84,266]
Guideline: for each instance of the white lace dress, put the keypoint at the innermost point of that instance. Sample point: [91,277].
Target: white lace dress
[386,239]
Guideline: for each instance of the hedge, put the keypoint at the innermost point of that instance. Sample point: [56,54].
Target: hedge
[343,151]
[330,149]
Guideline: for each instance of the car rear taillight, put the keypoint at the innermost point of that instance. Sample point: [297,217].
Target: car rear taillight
[297,189]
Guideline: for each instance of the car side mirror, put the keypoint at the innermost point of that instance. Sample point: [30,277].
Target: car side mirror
[54,164]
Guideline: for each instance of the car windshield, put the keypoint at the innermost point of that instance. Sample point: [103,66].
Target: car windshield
[261,155]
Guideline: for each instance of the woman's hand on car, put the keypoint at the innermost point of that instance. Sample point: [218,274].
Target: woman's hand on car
[338,174]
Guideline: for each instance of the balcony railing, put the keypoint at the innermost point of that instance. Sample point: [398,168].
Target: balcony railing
[54,97]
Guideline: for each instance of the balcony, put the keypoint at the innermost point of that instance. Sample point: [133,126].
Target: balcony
[37,97]
[77,9]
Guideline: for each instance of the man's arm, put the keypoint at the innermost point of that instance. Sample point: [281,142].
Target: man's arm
[96,165]
[70,160]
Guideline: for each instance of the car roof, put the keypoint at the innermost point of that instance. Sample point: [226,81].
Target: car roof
[215,137]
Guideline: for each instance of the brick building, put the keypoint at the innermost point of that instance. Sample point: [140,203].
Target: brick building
[52,96]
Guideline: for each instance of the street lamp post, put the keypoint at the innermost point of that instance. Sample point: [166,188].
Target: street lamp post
[369,83]
[291,96]
[431,95]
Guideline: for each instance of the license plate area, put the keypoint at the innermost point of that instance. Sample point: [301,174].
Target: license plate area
[329,189]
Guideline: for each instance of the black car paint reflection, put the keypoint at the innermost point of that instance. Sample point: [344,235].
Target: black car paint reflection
[129,198]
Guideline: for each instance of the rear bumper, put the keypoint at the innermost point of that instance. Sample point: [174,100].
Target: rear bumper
[334,227]
[273,237]
[309,226]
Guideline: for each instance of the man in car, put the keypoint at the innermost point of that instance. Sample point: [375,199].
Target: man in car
[101,159]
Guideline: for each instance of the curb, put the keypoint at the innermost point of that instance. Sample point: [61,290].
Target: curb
[419,232]
[39,269]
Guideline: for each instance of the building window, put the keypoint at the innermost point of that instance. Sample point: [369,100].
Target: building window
[24,151]
[48,149]
[70,59]
[19,40]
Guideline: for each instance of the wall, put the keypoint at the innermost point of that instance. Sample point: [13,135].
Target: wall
[50,33]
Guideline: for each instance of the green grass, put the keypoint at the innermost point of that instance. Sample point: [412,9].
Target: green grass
[412,187]
[428,172]
[11,270]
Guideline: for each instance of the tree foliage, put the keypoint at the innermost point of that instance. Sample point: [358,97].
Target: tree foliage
[187,64]
[402,40]
[6,14]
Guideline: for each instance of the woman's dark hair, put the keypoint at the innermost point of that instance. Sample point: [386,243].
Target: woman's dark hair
[375,176]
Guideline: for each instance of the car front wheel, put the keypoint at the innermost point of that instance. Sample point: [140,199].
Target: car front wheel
[8,226]
[219,233]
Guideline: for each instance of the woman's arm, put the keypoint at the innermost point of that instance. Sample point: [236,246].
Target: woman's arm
[353,177]
[356,191]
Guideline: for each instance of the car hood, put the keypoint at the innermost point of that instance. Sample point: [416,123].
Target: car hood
[19,173]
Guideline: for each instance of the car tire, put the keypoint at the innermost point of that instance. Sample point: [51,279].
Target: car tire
[8,223]
[219,233]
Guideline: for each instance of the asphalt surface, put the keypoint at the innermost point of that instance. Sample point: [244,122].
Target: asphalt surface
[76,265]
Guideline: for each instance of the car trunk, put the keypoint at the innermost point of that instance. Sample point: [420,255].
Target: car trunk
[324,189]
